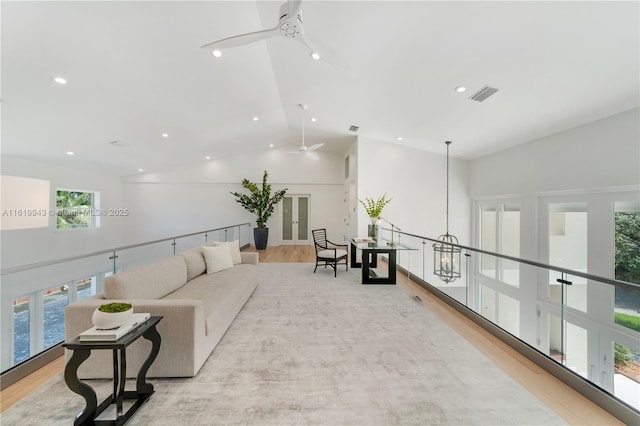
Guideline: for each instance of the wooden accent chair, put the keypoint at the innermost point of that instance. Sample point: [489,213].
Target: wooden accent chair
[328,253]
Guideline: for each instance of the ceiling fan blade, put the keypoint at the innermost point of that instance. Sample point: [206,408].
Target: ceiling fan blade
[314,147]
[327,54]
[293,8]
[241,40]
[312,156]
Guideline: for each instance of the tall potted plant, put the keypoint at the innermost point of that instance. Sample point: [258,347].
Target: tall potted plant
[261,202]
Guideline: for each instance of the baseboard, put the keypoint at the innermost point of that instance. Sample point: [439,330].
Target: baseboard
[30,366]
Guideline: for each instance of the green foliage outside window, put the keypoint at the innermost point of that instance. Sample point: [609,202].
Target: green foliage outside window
[627,247]
[74,209]
[627,267]
[622,354]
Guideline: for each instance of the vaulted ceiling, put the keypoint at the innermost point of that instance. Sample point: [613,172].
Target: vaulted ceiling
[136,70]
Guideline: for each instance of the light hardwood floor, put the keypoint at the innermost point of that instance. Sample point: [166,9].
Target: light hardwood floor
[574,408]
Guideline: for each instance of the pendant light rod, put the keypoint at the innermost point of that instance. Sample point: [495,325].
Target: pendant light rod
[302,107]
[447,227]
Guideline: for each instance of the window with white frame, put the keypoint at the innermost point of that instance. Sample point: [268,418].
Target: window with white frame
[76,209]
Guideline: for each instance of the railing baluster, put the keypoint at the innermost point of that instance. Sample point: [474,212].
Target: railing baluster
[113,257]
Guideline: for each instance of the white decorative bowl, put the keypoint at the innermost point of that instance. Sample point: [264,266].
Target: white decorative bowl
[107,320]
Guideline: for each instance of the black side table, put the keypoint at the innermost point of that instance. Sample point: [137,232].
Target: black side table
[144,390]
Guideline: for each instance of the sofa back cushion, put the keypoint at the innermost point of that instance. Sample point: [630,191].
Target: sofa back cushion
[195,262]
[152,281]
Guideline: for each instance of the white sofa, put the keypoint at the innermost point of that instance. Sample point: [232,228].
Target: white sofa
[197,308]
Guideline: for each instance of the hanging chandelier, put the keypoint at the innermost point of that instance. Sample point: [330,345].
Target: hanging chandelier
[446,256]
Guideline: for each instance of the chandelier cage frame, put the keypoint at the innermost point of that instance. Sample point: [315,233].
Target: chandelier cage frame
[446,256]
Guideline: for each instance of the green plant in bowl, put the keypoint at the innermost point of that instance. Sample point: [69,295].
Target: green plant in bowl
[115,307]
[112,315]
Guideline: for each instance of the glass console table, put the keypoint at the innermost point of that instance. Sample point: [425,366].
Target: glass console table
[371,274]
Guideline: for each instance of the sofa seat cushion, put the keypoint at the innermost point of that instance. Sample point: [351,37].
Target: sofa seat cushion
[152,281]
[221,293]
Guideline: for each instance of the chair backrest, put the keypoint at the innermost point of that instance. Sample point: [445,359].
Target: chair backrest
[320,238]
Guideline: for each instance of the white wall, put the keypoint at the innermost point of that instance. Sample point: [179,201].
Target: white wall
[185,200]
[25,246]
[601,154]
[416,181]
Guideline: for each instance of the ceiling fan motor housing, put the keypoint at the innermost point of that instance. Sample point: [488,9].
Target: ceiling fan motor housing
[289,28]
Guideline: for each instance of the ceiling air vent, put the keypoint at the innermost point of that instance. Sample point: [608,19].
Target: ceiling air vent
[483,93]
[118,144]
[353,128]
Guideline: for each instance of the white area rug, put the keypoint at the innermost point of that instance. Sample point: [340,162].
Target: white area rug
[313,349]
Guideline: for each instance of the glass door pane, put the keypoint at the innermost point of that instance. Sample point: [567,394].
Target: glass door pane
[287,219]
[627,263]
[54,301]
[303,219]
[626,378]
[488,220]
[568,249]
[21,329]
[509,314]
[510,244]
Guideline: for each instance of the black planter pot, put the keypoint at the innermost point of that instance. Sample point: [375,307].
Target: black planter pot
[260,237]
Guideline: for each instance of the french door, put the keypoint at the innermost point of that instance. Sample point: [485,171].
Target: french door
[295,220]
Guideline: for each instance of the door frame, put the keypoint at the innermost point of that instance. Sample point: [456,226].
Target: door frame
[295,241]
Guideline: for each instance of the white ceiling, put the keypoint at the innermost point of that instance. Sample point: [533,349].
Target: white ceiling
[136,70]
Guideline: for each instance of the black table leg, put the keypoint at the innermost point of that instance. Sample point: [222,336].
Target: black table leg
[142,387]
[82,389]
[354,262]
[122,381]
[392,266]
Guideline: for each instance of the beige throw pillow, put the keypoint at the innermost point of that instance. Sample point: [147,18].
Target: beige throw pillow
[217,258]
[234,248]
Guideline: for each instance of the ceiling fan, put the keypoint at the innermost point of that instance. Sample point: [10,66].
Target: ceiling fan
[290,27]
[303,149]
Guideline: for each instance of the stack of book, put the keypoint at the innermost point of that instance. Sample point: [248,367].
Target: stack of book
[95,334]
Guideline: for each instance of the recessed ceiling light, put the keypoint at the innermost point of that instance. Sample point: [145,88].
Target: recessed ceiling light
[140,170]
[315,55]
[165,135]
[208,157]
[460,89]
[256,118]
[399,138]
[313,119]
[216,53]
[60,80]
[70,153]
[270,145]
